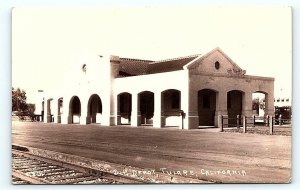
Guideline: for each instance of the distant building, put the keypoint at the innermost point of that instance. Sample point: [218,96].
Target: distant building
[282,102]
[187,92]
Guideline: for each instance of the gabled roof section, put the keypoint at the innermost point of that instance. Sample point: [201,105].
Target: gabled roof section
[194,63]
[134,67]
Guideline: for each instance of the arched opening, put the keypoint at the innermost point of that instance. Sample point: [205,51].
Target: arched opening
[49,113]
[59,109]
[259,101]
[94,113]
[170,107]
[234,105]
[124,108]
[146,99]
[75,110]
[259,105]
[206,107]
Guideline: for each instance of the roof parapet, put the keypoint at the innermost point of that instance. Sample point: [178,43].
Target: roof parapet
[115,58]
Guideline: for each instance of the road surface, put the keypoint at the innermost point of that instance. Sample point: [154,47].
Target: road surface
[212,156]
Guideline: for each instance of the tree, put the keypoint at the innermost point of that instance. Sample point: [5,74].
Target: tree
[255,104]
[18,100]
[258,104]
[262,104]
[20,106]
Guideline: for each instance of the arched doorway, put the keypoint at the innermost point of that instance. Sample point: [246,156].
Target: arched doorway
[75,110]
[170,107]
[94,109]
[124,108]
[234,106]
[259,103]
[146,99]
[206,107]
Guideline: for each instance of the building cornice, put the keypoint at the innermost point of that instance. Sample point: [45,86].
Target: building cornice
[234,76]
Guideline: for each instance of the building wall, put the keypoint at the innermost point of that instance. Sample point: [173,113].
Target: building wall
[153,82]
[157,84]
[222,84]
[207,63]
[98,75]
[222,78]
[96,79]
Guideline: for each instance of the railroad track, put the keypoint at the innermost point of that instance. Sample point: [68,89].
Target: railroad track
[37,166]
[32,169]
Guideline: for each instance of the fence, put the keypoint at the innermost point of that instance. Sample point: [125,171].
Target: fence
[254,124]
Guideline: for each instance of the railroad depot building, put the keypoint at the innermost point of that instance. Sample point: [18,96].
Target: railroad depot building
[188,92]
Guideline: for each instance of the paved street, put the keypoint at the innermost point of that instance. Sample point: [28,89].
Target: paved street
[213,156]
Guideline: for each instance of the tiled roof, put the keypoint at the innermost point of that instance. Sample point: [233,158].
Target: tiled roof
[170,64]
[133,67]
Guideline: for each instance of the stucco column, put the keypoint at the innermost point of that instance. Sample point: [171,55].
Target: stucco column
[106,119]
[88,119]
[247,104]
[84,119]
[112,117]
[221,106]
[184,106]
[69,119]
[65,114]
[157,120]
[269,104]
[49,111]
[135,112]
[54,110]
[221,103]
[59,111]
[46,111]
[118,122]
[192,117]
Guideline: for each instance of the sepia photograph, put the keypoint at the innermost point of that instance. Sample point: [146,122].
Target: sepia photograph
[151,95]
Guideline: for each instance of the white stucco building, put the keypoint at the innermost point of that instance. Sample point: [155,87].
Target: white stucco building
[111,90]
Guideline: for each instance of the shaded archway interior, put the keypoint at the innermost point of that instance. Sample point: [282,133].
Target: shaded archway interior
[125,107]
[259,103]
[234,105]
[146,107]
[170,107]
[94,109]
[206,107]
[75,109]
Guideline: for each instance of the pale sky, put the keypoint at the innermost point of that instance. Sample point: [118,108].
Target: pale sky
[46,41]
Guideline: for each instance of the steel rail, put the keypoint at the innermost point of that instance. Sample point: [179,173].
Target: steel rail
[87,173]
